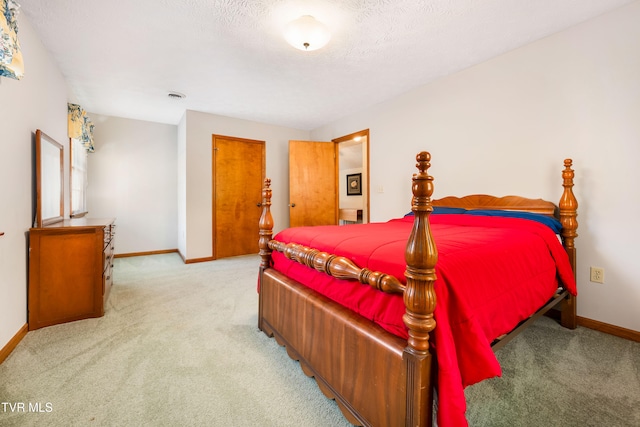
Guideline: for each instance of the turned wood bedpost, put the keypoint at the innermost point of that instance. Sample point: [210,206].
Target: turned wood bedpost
[266,226]
[421,256]
[266,232]
[568,217]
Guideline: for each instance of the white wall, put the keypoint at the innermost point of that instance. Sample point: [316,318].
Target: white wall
[505,126]
[200,127]
[38,101]
[132,177]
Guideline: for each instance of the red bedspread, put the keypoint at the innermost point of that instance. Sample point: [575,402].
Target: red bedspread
[492,273]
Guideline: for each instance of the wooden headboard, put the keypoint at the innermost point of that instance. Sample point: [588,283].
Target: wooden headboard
[509,203]
[565,211]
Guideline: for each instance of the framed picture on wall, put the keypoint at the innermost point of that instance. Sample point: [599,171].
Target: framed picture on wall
[354,184]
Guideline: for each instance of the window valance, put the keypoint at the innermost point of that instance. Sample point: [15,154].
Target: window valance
[11,64]
[80,126]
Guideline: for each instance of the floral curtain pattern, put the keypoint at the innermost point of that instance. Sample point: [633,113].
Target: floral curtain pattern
[11,64]
[80,126]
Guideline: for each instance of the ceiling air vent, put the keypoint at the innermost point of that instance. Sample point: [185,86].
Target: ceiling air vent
[176,95]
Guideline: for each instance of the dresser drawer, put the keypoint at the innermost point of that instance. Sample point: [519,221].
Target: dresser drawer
[107,256]
[107,283]
[109,234]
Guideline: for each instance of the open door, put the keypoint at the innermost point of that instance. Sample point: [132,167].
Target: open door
[313,191]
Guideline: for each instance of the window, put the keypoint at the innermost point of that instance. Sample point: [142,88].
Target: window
[78,178]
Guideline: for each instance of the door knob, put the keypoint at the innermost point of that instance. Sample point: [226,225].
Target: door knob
[292,205]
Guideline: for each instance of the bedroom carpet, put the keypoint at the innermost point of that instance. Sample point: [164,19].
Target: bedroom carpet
[179,346]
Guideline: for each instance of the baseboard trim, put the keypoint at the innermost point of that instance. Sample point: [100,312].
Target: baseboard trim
[609,329]
[13,342]
[194,260]
[131,254]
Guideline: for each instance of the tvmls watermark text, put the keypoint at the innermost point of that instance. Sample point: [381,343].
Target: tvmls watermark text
[30,407]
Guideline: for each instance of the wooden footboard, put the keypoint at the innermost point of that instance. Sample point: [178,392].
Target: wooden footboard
[376,378]
[393,382]
[354,361]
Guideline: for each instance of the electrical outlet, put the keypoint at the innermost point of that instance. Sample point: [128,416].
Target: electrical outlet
[597,275]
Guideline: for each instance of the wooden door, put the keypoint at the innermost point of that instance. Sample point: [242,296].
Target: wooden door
[238,174]
[313,191]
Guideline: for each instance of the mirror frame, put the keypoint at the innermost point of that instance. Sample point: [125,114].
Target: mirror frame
[49,157]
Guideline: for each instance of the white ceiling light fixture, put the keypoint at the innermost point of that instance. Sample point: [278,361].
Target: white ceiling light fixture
[306,33]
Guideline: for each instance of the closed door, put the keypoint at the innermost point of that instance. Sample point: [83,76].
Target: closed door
[313,195]
[238,174]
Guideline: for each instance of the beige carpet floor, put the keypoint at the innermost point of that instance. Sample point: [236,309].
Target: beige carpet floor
[179,346]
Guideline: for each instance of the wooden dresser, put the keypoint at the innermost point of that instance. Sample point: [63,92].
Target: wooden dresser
[70,270]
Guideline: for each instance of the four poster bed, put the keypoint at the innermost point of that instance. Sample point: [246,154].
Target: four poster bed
[392,327]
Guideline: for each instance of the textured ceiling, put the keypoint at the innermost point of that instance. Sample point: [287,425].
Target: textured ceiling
[122,57]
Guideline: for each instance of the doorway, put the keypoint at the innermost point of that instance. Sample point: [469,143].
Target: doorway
[319,173]
[353,177]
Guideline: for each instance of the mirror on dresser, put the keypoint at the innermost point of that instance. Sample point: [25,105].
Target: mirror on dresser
[49,180]
[70,260]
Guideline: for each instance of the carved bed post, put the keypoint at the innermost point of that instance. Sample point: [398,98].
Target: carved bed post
[266,232]
[266,226]
[421,256]
[568,214]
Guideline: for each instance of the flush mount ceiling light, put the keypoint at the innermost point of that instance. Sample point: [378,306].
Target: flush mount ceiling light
[305,33]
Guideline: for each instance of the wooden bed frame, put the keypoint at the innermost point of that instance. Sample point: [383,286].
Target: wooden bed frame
[376,378]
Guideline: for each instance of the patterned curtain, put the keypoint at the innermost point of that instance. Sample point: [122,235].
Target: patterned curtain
[11,64]
[80,126]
